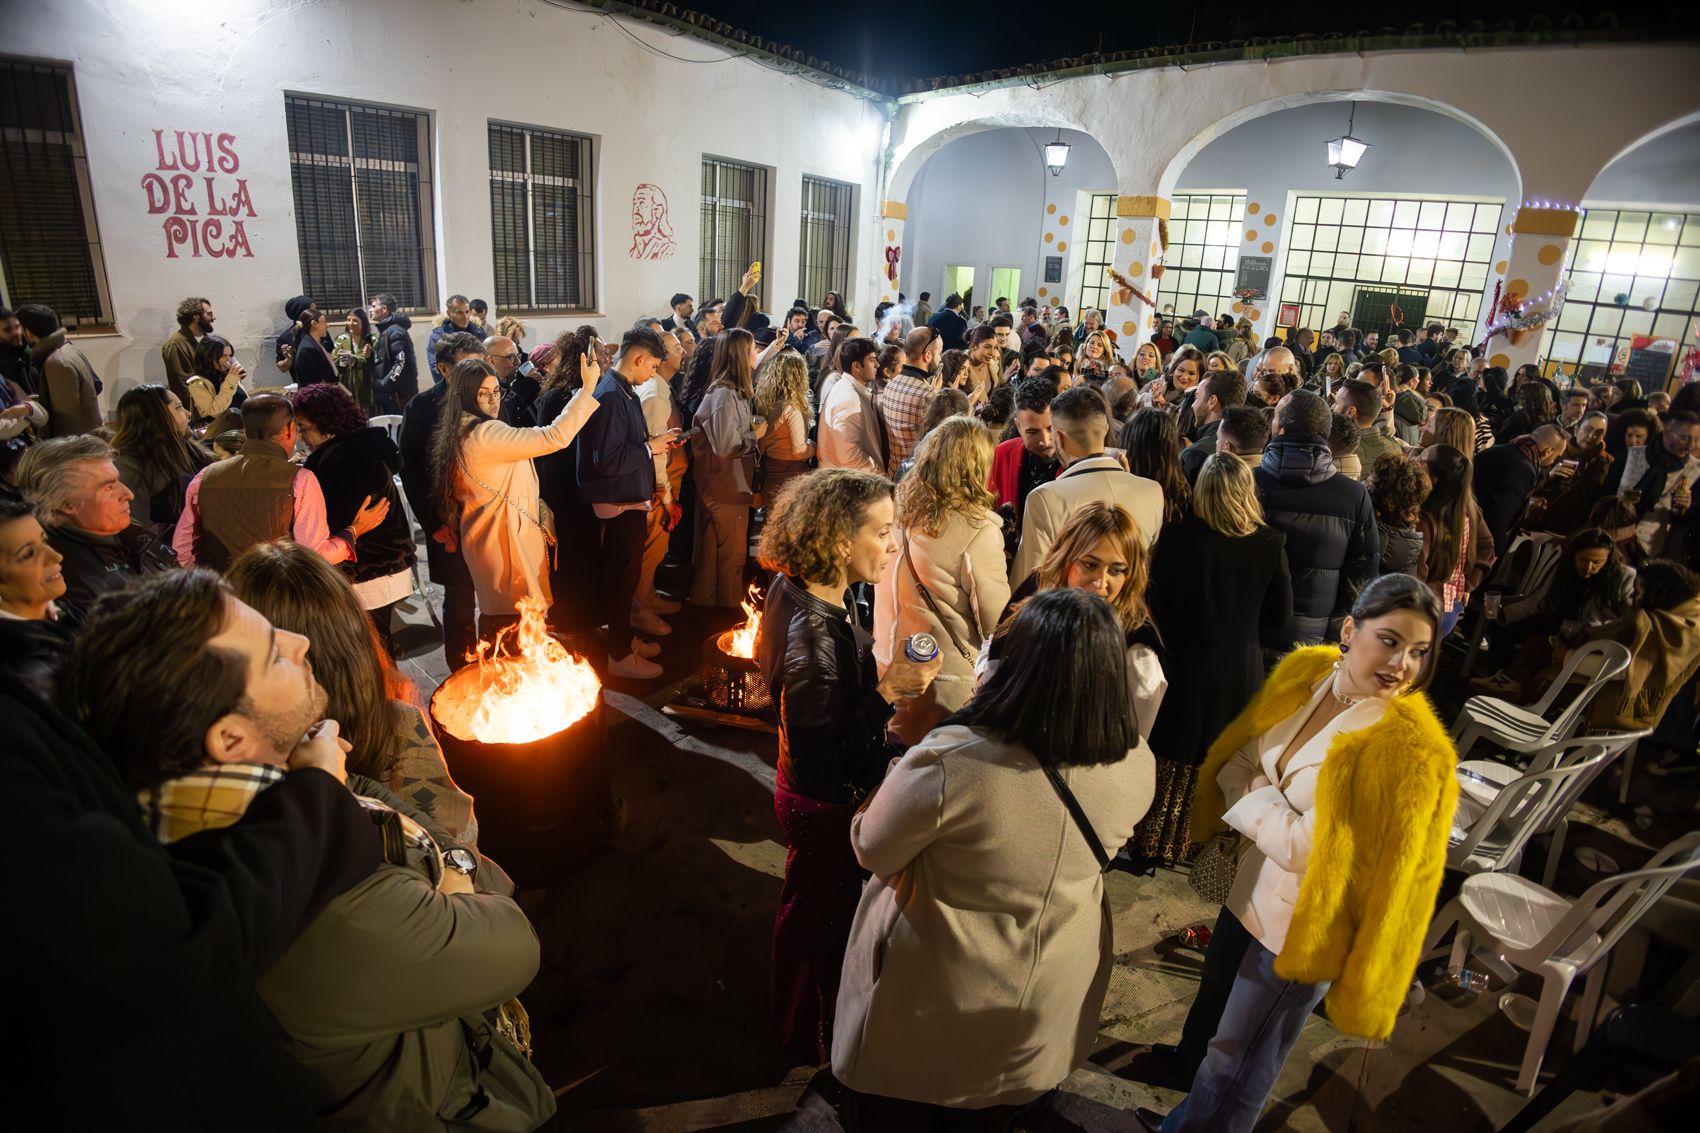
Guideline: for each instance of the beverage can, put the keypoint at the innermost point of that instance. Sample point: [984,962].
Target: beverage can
[920,648]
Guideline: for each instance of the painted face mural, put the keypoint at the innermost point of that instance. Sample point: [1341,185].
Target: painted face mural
[652,231]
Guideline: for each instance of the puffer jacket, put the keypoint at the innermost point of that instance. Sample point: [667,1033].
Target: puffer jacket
[1402,550]
[1333,547]
[350,467]
[832,719]
[395,365]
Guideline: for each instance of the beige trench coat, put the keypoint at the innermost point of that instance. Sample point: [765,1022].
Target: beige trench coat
[981,949]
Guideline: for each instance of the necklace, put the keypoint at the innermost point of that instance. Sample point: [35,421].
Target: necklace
[1334,690]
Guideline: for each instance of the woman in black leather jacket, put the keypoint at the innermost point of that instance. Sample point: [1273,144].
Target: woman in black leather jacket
[828,529]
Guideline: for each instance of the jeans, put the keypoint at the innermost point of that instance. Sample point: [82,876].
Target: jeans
[1229,942]
[622,563]
[1260,1024]
[1449,620]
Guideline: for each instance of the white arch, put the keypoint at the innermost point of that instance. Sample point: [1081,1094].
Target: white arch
[1177,164]
[1652,135]
[903,175]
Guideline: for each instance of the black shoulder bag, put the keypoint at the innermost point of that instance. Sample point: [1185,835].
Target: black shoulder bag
[1079,816]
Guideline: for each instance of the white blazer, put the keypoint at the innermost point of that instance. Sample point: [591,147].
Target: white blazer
[1277,813]
[1096,479]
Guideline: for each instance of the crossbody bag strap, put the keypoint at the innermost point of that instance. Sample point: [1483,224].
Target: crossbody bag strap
[933,605]
[1079,816]
[547,529]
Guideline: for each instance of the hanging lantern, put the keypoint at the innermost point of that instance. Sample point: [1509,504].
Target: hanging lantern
[1056,155]
[1345,151]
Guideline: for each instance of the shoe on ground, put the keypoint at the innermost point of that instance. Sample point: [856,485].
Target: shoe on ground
[645,648]
[645,620]
[1149,1119]
[662,605]
[634,668]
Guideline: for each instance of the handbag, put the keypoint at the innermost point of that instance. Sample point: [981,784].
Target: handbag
[1213,870]
[544,520]
[1079,816]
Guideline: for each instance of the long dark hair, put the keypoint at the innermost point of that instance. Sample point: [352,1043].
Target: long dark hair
[731,363]
[146,432]
[1060,688]
[1447,503]
[1570,590]
[208,351]
[460,413]
[1153,444]
[304,326]
[1391,593]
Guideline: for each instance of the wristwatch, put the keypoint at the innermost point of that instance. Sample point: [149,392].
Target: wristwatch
[461,860]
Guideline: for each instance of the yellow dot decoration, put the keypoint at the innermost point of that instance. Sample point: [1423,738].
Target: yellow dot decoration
[1550,254]
[890,235]
[1127,236]
[1499,268]
[1156,249]
[885,299]
[1501,360]
[1130,328]
[1253,209]
[1136,268]
[1062,246]
[1049,236]
[1050,210]
[1251,234]
[1517,287]
[1063,220]
[1268,246]
[1237,307]
[1043,292]
[1253,314]
[1269,221]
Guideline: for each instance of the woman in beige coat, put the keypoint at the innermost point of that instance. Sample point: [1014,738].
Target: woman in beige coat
[947,578]
[486,488]
[982,946]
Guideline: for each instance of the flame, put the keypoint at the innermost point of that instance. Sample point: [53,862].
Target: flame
[740,641]
[527,692]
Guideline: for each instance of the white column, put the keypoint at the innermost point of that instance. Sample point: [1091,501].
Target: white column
[1540,239]
[1137,255]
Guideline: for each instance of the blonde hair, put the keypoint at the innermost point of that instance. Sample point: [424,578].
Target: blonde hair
[1109,358]
[510,327]
[1225,496]
[1389,356]
[1156,355]
[1084,530]
[952,468]
[1455,427]
[1228,362]
[782,380]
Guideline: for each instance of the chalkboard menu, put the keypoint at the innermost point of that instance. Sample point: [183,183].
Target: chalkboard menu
[1253,275]
[1053,269]
[1649,367]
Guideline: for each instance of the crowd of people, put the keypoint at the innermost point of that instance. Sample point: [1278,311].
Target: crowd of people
[1173,588]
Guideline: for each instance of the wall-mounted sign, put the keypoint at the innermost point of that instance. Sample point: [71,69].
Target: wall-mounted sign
[652,228]
[1253,276]
[1288,316]
[1649,361]
[1053,269]
[193,186]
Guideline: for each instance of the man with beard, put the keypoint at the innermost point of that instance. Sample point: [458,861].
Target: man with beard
[395,365]
[194,322]
[391,997]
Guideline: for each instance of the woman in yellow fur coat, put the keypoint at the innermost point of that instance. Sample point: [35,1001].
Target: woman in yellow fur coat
[1340,781]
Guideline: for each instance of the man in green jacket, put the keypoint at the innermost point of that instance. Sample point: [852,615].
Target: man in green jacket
[395,998]
[194,322]
[69,388]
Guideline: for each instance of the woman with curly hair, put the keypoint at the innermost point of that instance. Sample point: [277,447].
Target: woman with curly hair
[354,460]
[782,397]
[574,579]
[1398,485]
[827,530]
[948,578]
[1153,445]
[156,455]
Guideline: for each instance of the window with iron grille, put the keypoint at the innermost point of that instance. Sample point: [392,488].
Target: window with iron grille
[1097,253]
[49,242]
[1206,231]
[734,224]
[1632,272]
[541,219]
[362,181]
[824,263]
[1338,247]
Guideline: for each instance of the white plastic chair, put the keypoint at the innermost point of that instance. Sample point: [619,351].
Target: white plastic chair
[391,423]
[1544,554]
[1494,822]
[1520,729]
[1538,931]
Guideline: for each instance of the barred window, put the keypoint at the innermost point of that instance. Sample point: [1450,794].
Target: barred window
[49,242]
[734,224]
[824,263]
[541,230]
[362,181]
[1099,249]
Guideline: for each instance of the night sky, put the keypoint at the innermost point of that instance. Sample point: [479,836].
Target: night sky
[927,38]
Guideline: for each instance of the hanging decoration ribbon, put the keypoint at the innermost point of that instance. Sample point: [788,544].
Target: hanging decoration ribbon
[1396,313]
[892,255]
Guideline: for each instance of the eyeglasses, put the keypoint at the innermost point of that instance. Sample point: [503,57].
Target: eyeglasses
[491,394]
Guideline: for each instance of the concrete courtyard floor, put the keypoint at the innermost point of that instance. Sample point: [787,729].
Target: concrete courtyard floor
[650,1012]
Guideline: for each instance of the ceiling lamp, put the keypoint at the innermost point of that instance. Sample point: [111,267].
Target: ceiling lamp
[1345,151]
[1056,155]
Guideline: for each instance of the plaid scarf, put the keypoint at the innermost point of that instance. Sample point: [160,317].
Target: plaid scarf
[205,799]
